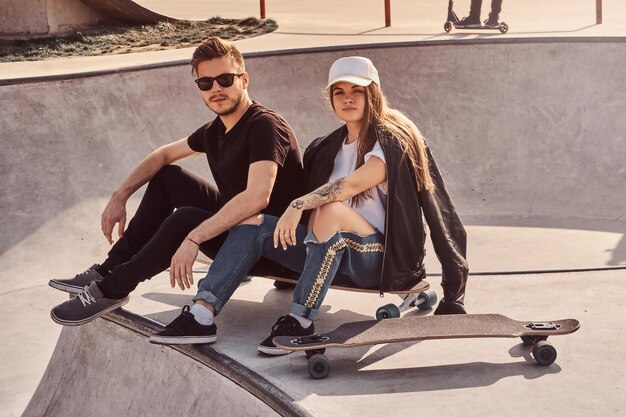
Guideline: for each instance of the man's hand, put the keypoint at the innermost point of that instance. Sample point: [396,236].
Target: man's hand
[114,212]
[285,232]
[182,262]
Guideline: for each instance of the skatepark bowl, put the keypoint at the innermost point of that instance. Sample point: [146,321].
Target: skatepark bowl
[532,149]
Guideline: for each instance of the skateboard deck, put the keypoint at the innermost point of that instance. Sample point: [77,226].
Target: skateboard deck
[420,296]
[372,332]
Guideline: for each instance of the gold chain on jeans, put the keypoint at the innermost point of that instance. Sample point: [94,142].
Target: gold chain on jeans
[328,260]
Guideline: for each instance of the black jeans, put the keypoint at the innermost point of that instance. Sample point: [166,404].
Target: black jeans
[156,231]
[496,8]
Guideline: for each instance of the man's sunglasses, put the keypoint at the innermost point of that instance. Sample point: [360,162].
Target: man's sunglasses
[224,80]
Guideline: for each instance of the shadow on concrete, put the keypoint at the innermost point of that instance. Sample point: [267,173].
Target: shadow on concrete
[430,378]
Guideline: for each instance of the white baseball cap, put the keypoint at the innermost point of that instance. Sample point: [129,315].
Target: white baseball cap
[353,69]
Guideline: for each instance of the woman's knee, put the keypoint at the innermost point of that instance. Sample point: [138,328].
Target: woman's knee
[331,211]
[338,216]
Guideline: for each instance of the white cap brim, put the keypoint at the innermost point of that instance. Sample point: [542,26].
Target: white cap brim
[363,82]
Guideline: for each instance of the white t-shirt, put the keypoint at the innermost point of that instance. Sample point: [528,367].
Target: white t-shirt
[372,209]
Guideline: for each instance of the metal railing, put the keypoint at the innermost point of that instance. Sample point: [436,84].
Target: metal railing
[388,11]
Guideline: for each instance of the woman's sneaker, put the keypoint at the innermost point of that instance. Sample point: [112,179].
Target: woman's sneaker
[185,330]
[285,326]
[75,285]
[467,23]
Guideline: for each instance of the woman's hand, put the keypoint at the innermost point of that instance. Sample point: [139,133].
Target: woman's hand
[285,232]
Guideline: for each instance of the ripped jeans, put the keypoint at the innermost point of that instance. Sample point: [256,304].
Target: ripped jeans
[346,258]
[242,249]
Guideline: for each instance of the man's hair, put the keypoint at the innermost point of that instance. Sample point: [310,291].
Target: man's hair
[213,48]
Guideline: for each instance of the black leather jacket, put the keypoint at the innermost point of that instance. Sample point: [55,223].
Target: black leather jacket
[405,235]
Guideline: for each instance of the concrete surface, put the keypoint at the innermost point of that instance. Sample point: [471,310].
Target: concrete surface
[20,18]
[331,23]
[528,130]
[25,18]
[127,10]
[477,377]
[116,355]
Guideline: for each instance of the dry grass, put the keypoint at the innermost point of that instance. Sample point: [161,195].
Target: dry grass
[126,39]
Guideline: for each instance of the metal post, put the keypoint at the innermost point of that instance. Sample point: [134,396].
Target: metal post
[598,12]
[387,13]
[262,9]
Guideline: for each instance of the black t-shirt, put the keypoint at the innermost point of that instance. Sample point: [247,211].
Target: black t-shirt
[260,135]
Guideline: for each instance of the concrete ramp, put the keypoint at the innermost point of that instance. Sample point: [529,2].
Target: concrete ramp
[531,148]
[94,368]
[530,138]
[126,10]
[19,18]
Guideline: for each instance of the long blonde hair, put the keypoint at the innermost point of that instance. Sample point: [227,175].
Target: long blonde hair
[378,113]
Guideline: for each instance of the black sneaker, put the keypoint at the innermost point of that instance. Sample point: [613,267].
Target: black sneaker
[86,306]
[185,330]
[79,282]
[445,307]
[282,285]
[467,23]
[285,326]
[492,23]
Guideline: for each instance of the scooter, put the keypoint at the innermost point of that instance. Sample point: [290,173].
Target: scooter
[453,18]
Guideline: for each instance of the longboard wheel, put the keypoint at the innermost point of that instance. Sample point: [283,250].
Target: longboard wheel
[318,366]
[504,28]
[447,26]
[544,353]
[389,311]
[429,300]
[313,352]
[531,340]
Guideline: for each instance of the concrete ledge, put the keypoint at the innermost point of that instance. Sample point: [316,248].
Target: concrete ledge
[38,71]
[95,365]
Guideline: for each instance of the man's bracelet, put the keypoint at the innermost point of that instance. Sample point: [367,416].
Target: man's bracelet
[193,241]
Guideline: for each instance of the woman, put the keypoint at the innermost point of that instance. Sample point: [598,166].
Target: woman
[370,181]
[370,178]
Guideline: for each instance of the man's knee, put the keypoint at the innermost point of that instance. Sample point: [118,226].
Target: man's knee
[186,218]
[166,172]
[255,220]
[165,176]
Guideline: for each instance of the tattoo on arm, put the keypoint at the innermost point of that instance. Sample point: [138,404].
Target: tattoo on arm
[325,194]
[298,204]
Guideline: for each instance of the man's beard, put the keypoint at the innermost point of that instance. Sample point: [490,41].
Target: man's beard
[230,110]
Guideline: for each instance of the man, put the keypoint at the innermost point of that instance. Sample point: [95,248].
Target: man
[255,160]
[473,20]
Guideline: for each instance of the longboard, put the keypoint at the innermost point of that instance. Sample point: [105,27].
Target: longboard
[420,296]
[372,332]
